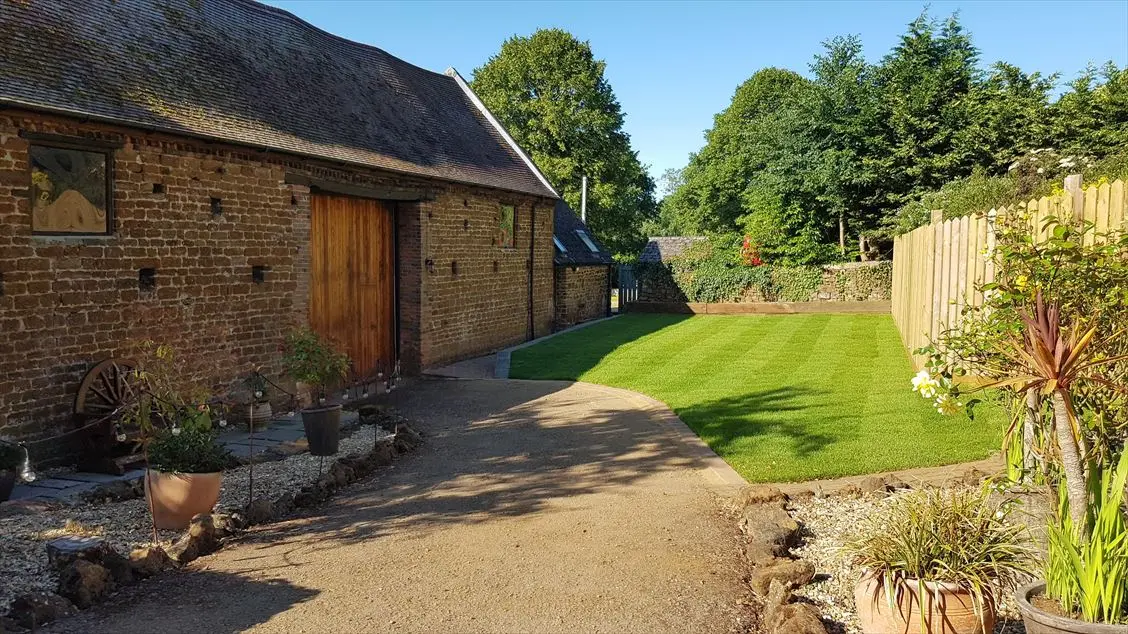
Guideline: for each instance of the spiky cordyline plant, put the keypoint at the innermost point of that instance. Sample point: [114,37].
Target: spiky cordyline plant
[1051,358]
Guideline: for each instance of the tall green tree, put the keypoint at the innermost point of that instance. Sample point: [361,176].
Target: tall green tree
[923,86]
[1092,117]
[742,144]
[551,94]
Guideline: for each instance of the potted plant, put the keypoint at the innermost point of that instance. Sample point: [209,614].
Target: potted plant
[1086,570]
[311,360]
[935,561]
[185,472]
[11,457]
[258,412]
[185,461]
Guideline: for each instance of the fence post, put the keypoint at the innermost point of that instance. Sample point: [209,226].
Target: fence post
[1077,193]
[936,216]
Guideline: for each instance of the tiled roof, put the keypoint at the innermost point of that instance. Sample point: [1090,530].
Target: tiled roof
[565,225]
[250,74]
[663,248]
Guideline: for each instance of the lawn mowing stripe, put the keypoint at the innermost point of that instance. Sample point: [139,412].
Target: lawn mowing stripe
[779,397]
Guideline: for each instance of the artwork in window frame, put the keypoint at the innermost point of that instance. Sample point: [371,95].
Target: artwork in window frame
[506,235]
[70,190]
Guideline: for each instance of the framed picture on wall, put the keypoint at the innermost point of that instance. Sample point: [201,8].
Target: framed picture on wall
[70,190]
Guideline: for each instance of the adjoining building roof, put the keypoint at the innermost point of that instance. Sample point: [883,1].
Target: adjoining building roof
[246,73]
[569,232]
[661,249]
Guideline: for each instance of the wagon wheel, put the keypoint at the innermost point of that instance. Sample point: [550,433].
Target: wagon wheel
[106,387]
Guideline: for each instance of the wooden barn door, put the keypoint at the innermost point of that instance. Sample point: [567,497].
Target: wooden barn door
[352,279]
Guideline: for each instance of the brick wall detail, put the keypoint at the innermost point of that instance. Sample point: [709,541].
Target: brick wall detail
[68,302]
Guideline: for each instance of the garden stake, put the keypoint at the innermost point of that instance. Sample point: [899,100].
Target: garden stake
[251,448]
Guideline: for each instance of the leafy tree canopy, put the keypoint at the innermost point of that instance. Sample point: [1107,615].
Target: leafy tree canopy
[805,166]
[551,94]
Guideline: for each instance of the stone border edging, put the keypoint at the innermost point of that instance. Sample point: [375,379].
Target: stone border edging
[501,363]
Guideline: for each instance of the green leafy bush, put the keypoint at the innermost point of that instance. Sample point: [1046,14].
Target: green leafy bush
[1089,576]
[189,449]
[311,359]
[953,536]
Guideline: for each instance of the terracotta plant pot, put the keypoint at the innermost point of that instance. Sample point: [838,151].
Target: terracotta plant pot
[946,609]
[7,483]
[1041,622]
[177,497]
[323,429]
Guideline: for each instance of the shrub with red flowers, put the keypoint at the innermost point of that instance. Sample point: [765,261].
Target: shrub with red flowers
[750,253]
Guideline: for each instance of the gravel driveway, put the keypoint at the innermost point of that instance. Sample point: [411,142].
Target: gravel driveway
[533,507]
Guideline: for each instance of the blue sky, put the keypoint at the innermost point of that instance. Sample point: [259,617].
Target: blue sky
[674,65]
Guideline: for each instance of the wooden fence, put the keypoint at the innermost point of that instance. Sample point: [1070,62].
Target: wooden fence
[938,268]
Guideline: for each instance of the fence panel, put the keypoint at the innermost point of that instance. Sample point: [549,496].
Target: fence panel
[939,268]
[628,285]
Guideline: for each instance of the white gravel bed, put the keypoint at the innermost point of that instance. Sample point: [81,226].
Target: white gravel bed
[827,523]
[25,532]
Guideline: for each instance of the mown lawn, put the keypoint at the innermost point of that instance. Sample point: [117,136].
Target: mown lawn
[779,397]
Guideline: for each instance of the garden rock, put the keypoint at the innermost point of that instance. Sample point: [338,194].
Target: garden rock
[769,524]
[791,573]
[382,455]
[63,551]
[759,554]
[85,583]
[259,511]
[342,475]
[802,619]
[200,539]
[40,608]
[228,524]
[117,491]
[284,505]
[873,484]
[150,561]
[118,565]
[757,495]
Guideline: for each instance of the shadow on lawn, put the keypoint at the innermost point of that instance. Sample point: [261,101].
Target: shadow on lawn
[494,449]
[725,422]
[598,341]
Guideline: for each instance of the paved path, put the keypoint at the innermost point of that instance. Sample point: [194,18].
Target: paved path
[533,507]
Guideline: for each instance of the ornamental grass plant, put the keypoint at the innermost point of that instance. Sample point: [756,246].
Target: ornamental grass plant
[961,537]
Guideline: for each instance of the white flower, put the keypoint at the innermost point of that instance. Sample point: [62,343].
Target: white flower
[175,431]
[223,422]
[258,393]
[1041,170]
[121,437]
[925,383]
[947,405]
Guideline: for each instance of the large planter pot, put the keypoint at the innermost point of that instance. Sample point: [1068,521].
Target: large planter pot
[323,429]
[7,483]
[1038,621]
[946,608]
[258,413]
[177,497]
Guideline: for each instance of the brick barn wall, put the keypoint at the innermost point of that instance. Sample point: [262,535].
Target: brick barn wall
[581,294]
[476,294]
[66,303]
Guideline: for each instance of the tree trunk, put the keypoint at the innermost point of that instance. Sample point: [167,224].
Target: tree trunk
[842,232]
[1029,424]
[1070,463]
